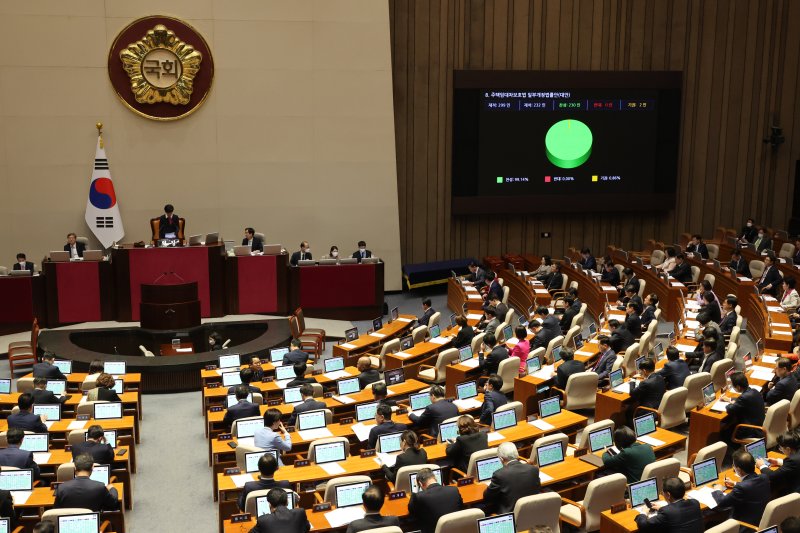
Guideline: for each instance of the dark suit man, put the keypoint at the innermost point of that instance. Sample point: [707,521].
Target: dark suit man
[728,322]
[566,319]
[22,263]
[280,519]
[246,376]
[515,480]
[24,419]
[432,501]
[437,412]
[367,375]
[678,516]
[648,315]
[411,455]
[495,289]
[587,260]
[302,255]
[771,278]
[373,501]
[362,252]
[620,337]
[740,266]
[548,330]
[749,496]
[308,403]
[492,398]
[383,425]
[267,465]
[651,389]
[610,275]
[102,453]
[74,247]
[632,322]
[675,371]
[250,239]
[86,493]
[568,367]
[476,276]
[748,408]
[698,246]
[168,223]
[605,361]
[241,409]
[682,271]
[762,242]
[46,369]
[15,457]
[491,363]
[784,385]
[296,355]
[42,395]
[786,478]
[427,312]
[749,232]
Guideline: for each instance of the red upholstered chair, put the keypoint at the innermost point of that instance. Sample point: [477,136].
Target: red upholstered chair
[303,330]
[308,343]
[22,354]
[155,224]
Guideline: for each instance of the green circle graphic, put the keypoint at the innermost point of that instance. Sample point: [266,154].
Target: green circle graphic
[568,143]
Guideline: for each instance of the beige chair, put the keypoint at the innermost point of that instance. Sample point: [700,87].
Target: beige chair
[403,479]
[327,440]
[756,268]
[499,335]
[577,320]
[548,439]
[318,391]
[459,522]
[711,278]
[506,292]
[330,487]
[573,330]
[642,285]
[419,334]
[509,318]
[794,411]
[661,470]
[617,363]
[731,350]
[508,370]
[241,451]
[65,472]
[538,510]
[477,342]
[728,526]
[87,408]
[583,438]
[580,392]
[434,319]
[557,341]
[775,423]
[671,411]
[252,496]
[76,436]
[90,382]
[779,510]
[472,469]
[735,332]
[601,494]
[713,250]
[718,370]
[787,250]
[437,372]
[24,385]
[629,359]
[645,343]
[694,384]
[657,257]
[516,406]
[379,361]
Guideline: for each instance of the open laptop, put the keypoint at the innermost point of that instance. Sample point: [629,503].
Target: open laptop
[195,240]
[705,472]
[641,491]
[93,255]
[709,395]
[390,442]
[59,256]
[448,431]
[504,419]
[251,459]
[366,411]
[242,250]
[107,410]
[262,504]
[412,479]
[549,407]
[292,395]
[276,356]
[758,449]
[394,376]
[330,452]
[419,402]
[35,442]
[502,523]
[487,467]
[311,420]
[550,454]
[272,249]
[79,523]
[212,238]
[347,386]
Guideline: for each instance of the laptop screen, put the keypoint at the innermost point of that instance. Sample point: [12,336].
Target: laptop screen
[640,360]
[412,479]
[64,366]
[56,386]
[508,333]
[502,523]
[284,372]
[643,489]
[351,334]
[292,395]
[406,342]
[229,379]
[109,434]
[347,386]
[262,505]
[334,363]
[549,454]
[658,350]
[21,479]
[4,525]
[556,354]
[504,419]
[549,407]
[533,364]
[644,425]
[377,323]
[52,411]
[350,494]
[329,453]
[35,442]
[232,400]
[468,389]
[435,331]
[5,386]
[229,361]
[394,376]
[390,442]
[487,467]
[453,320]
[119,385]
[419,401]
[448,430]
[247,428]
[116,368]
[772,529]
[600,439]
[276,355]
[708,394]
[251,459]
[395,313]
[757,449]
[79,523]
[464,354]
[578,341]
[592,328]
[366,411]
[106,410]
[311,420]
[616,378]
[705,472]
[100,473]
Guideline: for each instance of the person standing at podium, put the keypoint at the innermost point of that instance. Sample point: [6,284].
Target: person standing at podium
[303,255]
[74,247]
[250,239]
[168,223]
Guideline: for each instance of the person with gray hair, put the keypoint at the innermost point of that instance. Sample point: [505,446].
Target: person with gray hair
[514,480]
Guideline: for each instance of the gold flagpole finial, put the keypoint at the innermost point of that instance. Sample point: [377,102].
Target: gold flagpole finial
[99,127]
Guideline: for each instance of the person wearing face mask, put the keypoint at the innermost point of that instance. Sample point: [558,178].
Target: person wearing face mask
[303,255]
[362,252]
[762,242]
[333,254]
[749,232]
[22,263]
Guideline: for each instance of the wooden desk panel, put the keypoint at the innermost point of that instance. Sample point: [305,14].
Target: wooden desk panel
[367,342]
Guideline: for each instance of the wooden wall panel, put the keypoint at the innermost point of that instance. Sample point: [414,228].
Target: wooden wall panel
[741,65]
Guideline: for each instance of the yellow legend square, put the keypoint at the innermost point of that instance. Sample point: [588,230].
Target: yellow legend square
[594,178]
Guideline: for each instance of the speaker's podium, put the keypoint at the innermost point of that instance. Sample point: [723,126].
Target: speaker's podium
[169,306]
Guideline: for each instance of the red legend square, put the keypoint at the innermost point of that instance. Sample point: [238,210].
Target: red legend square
[547,179]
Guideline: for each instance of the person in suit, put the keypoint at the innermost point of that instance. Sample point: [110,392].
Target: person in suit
[104,391]
[86,493]
[739,266]
[649,313]
[367,374]
[650,390]
[373,501]
[295,355]
[7,509]
[273,436]
[23,263]
[308,403]
[168,223]
[427,312]
[587,260]
[620,337]
[710,355]
[498,353]
[42,395]
[569,313]
[632,321]
[749,496]
[729,316]
[465,333]
[303,254]
[380,393]
[491,321]
[605,360]
[14,456]
[280,519]
[630,296]
[748,408]
[696,245]
[711,305]
[410,454]
[300,376]
[679,515]
[24,419]
[749,232]
[267,466]
[432,501]
[74,247]
[437,412]
[95,445]
[256,369]
[514,480]
[251,240]
[762,242]
[362,252]
[476,276]
[631,280]
[682,271]
[568,367]
[675,371]
[469,440]
[786,478]
[495,289]
[555,280]
[383,425]
[241,409]
[46,369]
[546,328]
[632,457]
[610,274]
[492,398]
[246,376]
[500,309]
[783,385]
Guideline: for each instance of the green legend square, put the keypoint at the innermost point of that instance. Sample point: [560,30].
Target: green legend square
[499,179]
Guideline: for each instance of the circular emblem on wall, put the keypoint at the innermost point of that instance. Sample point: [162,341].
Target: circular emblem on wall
[161,68]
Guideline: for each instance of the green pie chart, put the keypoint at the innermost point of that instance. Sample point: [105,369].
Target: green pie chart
[568,143]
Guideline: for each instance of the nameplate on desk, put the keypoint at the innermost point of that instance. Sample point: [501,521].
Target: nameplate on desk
[266,379]
[211,367]
[580,452]
[302,462]
[345,421]
[618,507]
[68,448]
[274,402]
[464,481]
[82,417]
[225,436]
[213,385]
[317,372]
[234,471]
[401,411]
[368,453]
[239,518]
[320,507]
[327,395]
[397,495]
[429,442]
[216,408]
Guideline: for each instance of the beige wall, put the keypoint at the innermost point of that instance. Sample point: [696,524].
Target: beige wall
[296,138]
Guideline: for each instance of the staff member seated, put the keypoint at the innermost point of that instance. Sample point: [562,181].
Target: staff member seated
[303,255]
[516,479]
[433,501]
[95,445]
[296,355]
[267,466]
[74,247]
[280,519]
[241,409]
[86,493]
[437,412]
[632,457]
[679,515]
[15,457]
[250,239]
[383,425]
[24,419]
[46,369]
[168,223]
[410,454]
[373,501]
[22,263]
[469,440]
[362,252]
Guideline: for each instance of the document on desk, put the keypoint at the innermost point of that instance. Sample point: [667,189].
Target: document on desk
[75,424]
[337,374]
[388,459]
[769,298]
[647,439]
[585,353]
[376,334]
[348,345]
[333,469]
[762,372]
[513,341]
[474,316]
[240,479]
[402,355]
[311,434]
[345,515]
[624,388]
[470,289]
[703,495]
[684,347]
[495,436]
[21,496]
[719,406]
[692,324]
[474,297]
[282,383]
[440,340]
[744,278]
[41,458]
[544,478]
[246,441]
[466,405]
[540,291]
[692,304]
[471,363]
[769,359]
[343,399]
[775,309]
[362,430]
[403,319]
[676,284]
[541,424]
[545,373]
[183,350]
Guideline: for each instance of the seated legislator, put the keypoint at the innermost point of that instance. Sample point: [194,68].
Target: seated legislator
[649,391]
[712,306]
[555,280]
[46,369]
[273,436]
[86,493]
[632,456]
[362,252]
[770,280]
[696,245]
[587,260]
[437,412]
[632,321]
[796,256]
[169,223]
[410,454]
[669,263]
[465,333]
[476,276]
[568,367]
[490,322]
[749,495]
[104,391]
[251,240]
[256,368]
[620,337]
[42,395]
[304,254]
[241,409]
[14,456]
[492,398]
[786,478]
[708,356]
[649,313]
[246,376]
[333,253]
[469,440]
[570,311]
[427,312]
[605,361]
[522,348]
[679,515]
[367,375]
[675,371]
[23,263]
[267,466]
[24,419]
[280,519]
[729,316]
[95,445]
[749,232]
[380,393]
[308,403]
[432,501]
[300,375]
[295,355]
[610,274]
[738,265]
[762,242]
[783,385]
[383,425]
[498,353]
[514,480]
[7,509]
[748,408]
[682,271]
[74,247]
[373,501]
[544,267]
[546,328]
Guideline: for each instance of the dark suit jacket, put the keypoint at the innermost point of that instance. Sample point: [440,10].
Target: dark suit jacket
[748,409]
[786,478]
[765,244]
[748,498]
[675,373]
[165,226]
[372,521]
[257,245]
[713,311]
[45,396]
[295,356]
[429,505]
[605,363]
[357,255]
[296,382]
[590,263]
[27,421]
[510,483]
[565,370]
[79,246]
[783,389]
[426,316]
[648,316]
[634,324]
[728,322]
[260,484]
[620,339]
[554,281]
[566,319]
[435,414]
[495,289]
[103,453]
[7,508]
[383,429]
[550,330]
[741,267]
[283,520]
[682,272]
[464,446]
[701,248]
[307,405]
[87,494]
[749,234]
[491,401]
[46,370]
[367,377]
[650,391]
[296,257]
[772,277]
[464,337]
[406,458]
[107,395]
[243,409]
[492,362]
[13,456]
[710,360]
[251,388]
[612,278]
[28,266]
[683,516]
